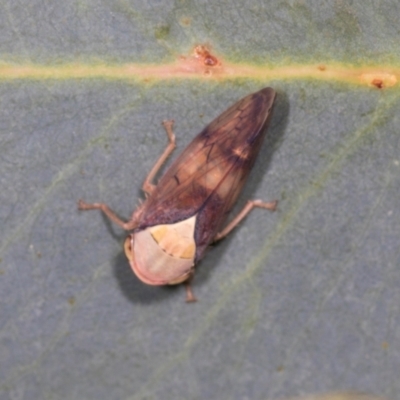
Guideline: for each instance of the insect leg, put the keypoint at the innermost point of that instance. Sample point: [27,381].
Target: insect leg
[245,210]
[148,187]
[109,213]
[189,294]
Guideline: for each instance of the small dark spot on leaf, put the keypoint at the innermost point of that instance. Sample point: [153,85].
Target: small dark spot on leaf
[71,300]
[162,32]
[185,21]
[378,83]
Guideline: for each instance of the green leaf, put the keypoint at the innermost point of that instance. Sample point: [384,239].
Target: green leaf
[299,301]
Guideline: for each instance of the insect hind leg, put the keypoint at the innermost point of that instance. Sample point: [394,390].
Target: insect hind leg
[242,214]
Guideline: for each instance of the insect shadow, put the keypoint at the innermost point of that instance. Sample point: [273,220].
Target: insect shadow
[133,288]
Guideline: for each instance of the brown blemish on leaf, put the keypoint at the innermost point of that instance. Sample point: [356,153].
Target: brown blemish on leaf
[378,79]
[185,21]
[202,53]
[71,300]
[202,62]
[378,83]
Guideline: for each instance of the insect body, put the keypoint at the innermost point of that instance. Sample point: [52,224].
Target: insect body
[185,212]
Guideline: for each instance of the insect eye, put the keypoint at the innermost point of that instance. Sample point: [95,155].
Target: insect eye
[128,247]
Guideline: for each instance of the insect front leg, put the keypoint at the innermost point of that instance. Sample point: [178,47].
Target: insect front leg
[242,214]
[109,213]
[148,186]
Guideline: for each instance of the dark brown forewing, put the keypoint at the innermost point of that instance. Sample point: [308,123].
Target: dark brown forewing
[209,174]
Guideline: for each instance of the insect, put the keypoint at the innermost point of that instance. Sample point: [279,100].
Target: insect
[186,210]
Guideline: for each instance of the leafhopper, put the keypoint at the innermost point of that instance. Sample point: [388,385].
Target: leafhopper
[186,210]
